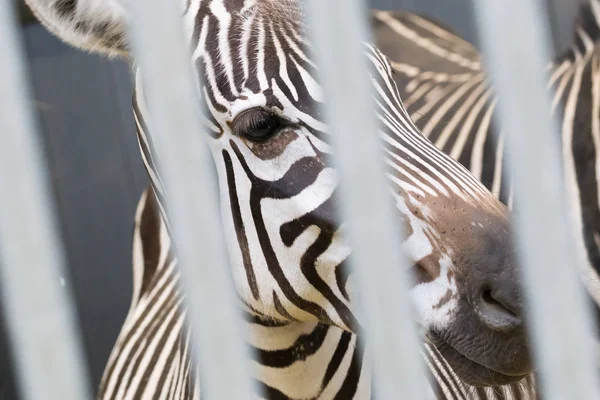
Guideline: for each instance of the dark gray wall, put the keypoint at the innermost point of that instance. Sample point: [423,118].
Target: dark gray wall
[456,14]
[84,110]
[459,16]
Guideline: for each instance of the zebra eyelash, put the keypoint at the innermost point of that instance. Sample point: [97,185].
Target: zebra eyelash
[258,124]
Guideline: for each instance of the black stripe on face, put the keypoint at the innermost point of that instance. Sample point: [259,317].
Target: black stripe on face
[238,222]
[301,174]
[304,347]
[341,277]
[280,308]
[324,218]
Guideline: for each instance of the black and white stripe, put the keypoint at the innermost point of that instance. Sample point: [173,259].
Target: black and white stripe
[313,360]
[271,149]
[446,92]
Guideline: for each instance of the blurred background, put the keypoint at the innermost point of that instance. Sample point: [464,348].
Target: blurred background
[84,113]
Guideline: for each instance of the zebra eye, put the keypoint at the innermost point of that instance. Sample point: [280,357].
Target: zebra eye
[257,124]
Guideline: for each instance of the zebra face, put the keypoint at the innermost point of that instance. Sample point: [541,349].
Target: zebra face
[278,188]
[278,194]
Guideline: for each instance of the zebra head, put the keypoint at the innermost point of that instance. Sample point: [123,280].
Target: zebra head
[278,188]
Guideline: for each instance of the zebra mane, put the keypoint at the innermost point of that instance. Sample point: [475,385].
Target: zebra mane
[281,10]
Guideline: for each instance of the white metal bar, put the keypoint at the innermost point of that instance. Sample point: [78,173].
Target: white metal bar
[180,140]
[40,315]
[338,30]
[514,34]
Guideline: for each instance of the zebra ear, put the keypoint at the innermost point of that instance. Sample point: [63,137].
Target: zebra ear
[94,25]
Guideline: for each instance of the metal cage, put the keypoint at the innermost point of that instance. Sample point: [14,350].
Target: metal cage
[39,311]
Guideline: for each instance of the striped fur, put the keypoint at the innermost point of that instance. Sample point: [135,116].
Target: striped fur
[321,361]
[448,96]
[445,90]
[285,242]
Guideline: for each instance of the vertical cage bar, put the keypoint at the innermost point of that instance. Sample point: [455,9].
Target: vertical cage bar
[40,313]
[514,34]
[180,142]
[338,30]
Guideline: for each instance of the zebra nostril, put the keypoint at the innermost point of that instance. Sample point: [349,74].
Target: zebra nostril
[488,298]
[495,311]
[426,270]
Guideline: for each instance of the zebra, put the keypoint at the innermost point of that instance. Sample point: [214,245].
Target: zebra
[445,90]
[287,255]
